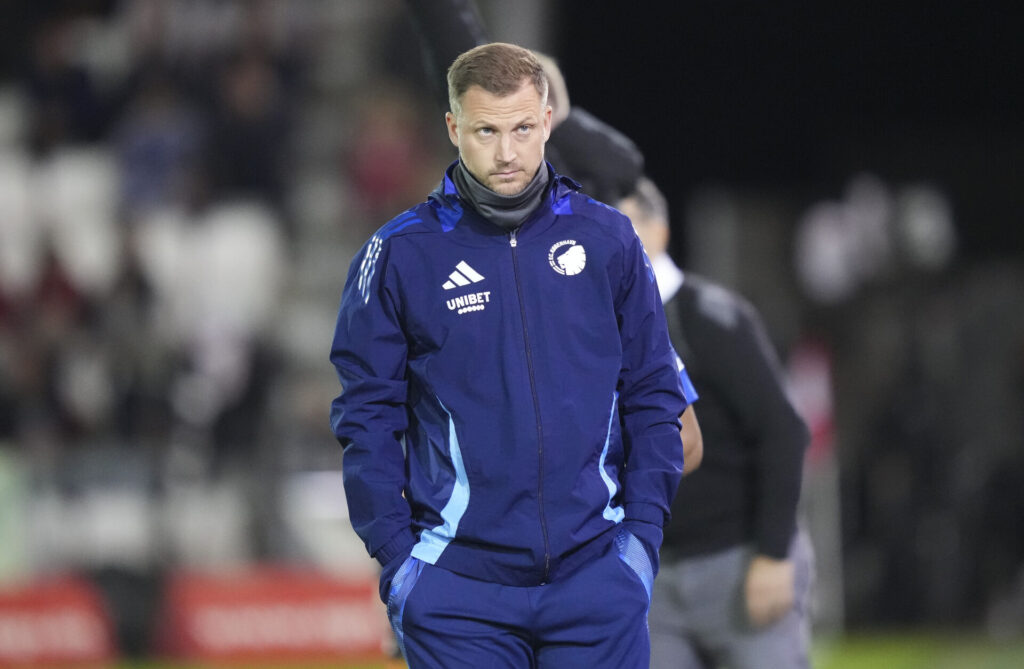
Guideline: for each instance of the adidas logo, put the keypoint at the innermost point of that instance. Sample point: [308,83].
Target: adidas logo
[462,276]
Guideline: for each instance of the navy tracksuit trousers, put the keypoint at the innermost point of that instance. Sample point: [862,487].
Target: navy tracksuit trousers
[594,618]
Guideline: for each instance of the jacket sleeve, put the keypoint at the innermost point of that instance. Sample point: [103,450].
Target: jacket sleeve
[651,396]
[368,418]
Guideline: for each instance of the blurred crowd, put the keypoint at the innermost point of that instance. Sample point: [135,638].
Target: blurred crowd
[144,234]
[181,187]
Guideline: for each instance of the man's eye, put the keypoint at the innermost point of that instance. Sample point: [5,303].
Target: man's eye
[523,129]
[485,131]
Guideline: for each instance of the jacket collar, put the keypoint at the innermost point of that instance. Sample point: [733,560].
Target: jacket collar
[452,208]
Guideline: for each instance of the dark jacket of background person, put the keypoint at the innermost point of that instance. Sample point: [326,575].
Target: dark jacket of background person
[748,485]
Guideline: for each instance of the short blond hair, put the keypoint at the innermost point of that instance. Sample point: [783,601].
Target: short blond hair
[499,68]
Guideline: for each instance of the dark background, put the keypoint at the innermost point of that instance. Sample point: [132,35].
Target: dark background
[799,96]
[786,102]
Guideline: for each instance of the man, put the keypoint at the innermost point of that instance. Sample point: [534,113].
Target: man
[510,404]
[734,586]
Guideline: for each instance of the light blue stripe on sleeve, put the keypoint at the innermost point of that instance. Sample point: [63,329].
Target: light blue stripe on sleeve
[689,392]
[614,514]
[368,266]
[433,541]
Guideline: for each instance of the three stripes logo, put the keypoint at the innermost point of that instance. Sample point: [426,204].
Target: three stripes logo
[462,276]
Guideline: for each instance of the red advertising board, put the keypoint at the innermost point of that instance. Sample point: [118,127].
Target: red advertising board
[56,622]
[271,614]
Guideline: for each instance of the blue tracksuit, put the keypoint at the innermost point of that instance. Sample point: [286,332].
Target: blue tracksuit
[508,397]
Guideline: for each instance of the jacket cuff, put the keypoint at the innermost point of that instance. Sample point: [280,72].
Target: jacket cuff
[645,512]
[650,535]
[774,547]
[397,545]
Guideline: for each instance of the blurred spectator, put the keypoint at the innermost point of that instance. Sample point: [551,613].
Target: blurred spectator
[734,535]
[247,150]
[66,107]
[158,144]
[388,152]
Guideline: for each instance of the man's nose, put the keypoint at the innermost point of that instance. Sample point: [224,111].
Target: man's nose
[506,149]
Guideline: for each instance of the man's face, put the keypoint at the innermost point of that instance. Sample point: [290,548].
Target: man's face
[501,139]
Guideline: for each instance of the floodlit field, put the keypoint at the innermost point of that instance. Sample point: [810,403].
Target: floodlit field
[920,652]
[886,651]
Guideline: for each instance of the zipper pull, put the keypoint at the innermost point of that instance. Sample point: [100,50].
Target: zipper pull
[512,238]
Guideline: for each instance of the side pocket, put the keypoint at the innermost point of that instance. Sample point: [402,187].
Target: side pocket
[633,553]
[401,586]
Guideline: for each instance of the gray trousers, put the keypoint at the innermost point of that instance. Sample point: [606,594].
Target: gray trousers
[698,616]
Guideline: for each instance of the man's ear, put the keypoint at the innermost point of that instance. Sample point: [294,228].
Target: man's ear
[453,128]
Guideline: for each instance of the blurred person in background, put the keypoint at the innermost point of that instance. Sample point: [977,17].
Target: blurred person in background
[510,404]
[250,123]
[734,588]
[66,107]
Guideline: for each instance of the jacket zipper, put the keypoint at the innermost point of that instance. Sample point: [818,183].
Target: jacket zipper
[536,407]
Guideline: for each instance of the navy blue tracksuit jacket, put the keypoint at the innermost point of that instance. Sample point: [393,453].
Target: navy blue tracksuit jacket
[508,397]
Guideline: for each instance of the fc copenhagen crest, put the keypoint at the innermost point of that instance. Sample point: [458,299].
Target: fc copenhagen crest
[567,257]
